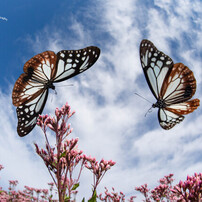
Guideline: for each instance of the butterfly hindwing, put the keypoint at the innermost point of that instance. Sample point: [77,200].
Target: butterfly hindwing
[167,119]
[28,113]
[184,107]
[73,62]
[173,114]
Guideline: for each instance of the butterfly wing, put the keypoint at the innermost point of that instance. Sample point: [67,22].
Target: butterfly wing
[73,62]
[28,113]
[156,66]
[173,114]
[30,91]
[38,70]
[179,86]
[168,119]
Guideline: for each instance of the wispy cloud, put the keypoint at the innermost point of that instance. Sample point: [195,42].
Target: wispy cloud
[3,18]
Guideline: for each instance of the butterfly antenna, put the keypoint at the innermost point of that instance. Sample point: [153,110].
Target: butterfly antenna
[149,111]
[66,85]
[143,98]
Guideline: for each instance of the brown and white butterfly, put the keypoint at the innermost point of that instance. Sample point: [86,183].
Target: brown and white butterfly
[30,91]
[171,84]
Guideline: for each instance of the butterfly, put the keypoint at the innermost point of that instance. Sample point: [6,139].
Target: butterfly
[30,91]
[171,84]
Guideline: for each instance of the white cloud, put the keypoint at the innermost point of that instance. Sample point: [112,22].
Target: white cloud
[109,119]
[3,18]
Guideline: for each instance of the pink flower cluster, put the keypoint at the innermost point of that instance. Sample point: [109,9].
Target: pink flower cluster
[98,169]
[187,191]
[28,194]
[114,196]
[163,190]
[190,189]
[62,159]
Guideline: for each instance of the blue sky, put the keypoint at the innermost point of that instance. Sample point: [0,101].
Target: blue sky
[109,119]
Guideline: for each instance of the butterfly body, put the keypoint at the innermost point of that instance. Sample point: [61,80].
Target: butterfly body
[171,84]
[30,91]
[159,104]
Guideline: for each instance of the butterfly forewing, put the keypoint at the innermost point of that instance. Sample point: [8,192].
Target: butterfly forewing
[73,62]
[179,86]
[41,67]
[156,66]
[38,70]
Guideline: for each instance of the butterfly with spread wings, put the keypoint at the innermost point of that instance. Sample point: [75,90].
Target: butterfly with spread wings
[171,84]
[30,91]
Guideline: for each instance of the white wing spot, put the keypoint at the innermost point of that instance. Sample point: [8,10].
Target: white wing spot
[62,55]
[74,65]
[168,62]
[78,55]
[31,108]
[70,55]
[159,63]
[69,60]
[156,70]
[83,58]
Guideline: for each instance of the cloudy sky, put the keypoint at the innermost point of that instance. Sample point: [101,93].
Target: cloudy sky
[110,120]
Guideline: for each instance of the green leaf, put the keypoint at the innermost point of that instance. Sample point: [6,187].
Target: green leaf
[93,199]
[75,186]
[63,154]
[83,200]
[67,198]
